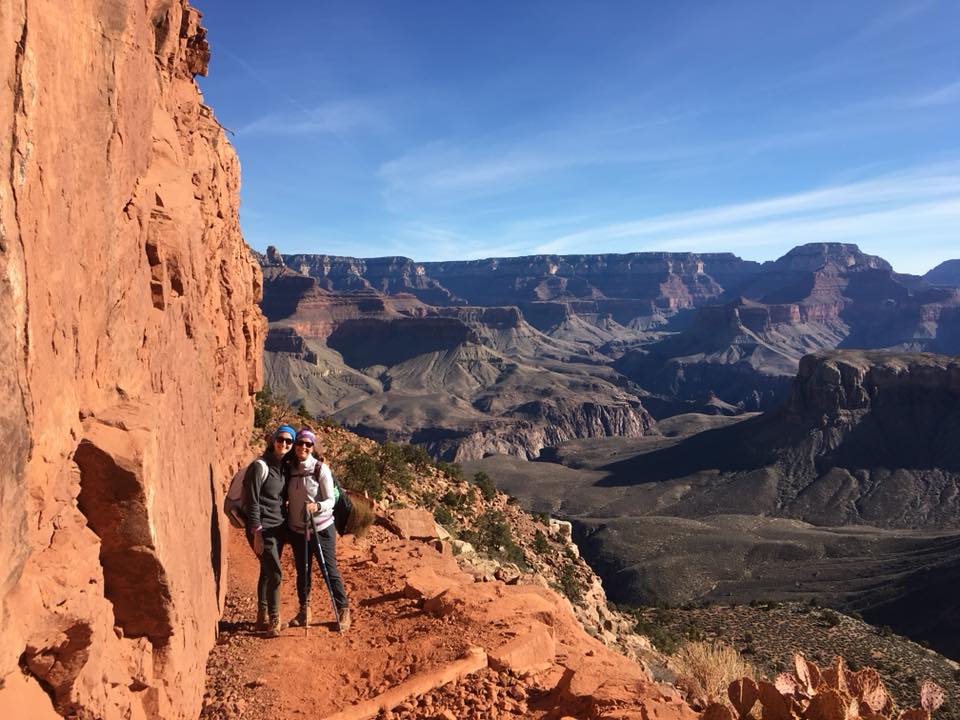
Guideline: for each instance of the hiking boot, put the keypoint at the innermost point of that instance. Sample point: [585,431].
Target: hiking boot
[302,618]
[344,619]
[273,630]
[262,623]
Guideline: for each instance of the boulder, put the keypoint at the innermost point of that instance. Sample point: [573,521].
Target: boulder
[411,524]
[534,650]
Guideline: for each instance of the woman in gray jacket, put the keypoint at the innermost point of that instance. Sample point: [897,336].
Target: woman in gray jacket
[265,484]
[310,494]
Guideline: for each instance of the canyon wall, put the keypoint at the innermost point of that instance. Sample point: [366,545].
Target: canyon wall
[130,350]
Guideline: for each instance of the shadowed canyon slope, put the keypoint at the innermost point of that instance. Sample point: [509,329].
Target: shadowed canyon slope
[946,274]
[850,493]
[516,354]
[129,301]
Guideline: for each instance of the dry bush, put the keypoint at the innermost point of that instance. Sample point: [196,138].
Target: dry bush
[362,516]
[706,669]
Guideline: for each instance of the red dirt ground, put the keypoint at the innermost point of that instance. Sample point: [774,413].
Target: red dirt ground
[317,673]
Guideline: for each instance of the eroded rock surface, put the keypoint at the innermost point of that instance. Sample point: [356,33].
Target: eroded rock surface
[130,351]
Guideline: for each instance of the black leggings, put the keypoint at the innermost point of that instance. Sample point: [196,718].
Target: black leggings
[328,544]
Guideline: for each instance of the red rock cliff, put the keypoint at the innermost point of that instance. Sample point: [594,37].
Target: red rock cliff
[130,348]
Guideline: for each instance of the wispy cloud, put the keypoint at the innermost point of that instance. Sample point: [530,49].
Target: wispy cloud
[905,204]
[946,95]
[443,167]
[333,118]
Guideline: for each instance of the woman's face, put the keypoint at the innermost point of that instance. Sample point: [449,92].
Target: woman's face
[281,444]
[302,449]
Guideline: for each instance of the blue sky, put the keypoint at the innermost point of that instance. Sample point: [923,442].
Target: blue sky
[457,130]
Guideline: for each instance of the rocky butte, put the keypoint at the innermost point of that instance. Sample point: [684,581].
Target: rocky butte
[131,335]
[854,479]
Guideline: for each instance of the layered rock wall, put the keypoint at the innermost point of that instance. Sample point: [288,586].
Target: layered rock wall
[131,348]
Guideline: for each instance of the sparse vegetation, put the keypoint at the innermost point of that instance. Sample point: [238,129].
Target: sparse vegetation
[493,534]
[442,514]
[452,470]
[302,412]
[361,473]
[662,638]
[263,407]
[485,484]
[706,669]
[416,456]
[393,466]
[457,500]
[569,584]
[540,544]
[831,618]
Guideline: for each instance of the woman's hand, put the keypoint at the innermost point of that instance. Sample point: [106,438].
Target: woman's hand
[258,543]
[312,508]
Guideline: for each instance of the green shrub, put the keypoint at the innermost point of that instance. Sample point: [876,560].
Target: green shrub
[831,618]
[569,584]
[262,415]
[494,535]
[328,422]
[454,499]
[485,484]
[542,518]
[304,413]
[664,640]
[470,536]
[540,544]
[393,466]
[451,470]
[443,515]
[416,456]
[493,530]
[362,473]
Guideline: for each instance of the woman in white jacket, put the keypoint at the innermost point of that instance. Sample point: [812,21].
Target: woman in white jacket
[310,492]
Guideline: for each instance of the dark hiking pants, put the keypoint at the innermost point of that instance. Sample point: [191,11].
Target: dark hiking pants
[328,544]
[268,586]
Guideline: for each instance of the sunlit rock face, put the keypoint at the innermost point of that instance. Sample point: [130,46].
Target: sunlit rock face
[131,350]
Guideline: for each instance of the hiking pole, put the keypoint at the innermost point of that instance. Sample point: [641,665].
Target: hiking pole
[326,576]
[306,566]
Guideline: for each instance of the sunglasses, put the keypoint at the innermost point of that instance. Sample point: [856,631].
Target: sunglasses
[304,443]
[284,440]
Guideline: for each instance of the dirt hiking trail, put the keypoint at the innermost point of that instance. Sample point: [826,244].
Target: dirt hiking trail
[427,642]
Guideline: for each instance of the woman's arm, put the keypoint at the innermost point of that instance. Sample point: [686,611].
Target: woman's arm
[254,481]
[327,502]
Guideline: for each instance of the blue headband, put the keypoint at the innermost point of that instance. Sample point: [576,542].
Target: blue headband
[285,429]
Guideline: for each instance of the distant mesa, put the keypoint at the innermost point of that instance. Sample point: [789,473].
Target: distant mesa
[662,333]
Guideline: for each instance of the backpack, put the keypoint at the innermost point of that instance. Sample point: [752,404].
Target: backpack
[236,502]
[342,507]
